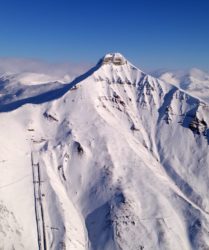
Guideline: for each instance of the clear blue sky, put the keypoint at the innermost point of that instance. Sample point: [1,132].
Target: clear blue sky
[150,33]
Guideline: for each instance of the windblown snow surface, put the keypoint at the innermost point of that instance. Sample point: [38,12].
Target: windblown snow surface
[115,160]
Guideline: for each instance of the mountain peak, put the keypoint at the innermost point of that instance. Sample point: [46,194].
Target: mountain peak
[114,58]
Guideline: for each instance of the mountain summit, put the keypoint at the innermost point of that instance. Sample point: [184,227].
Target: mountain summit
[115,58]
[116,159]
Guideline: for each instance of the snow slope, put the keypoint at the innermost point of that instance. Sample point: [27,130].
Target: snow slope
[116,159]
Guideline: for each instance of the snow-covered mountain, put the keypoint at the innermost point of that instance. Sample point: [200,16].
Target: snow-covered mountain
[194,81]
[116,159]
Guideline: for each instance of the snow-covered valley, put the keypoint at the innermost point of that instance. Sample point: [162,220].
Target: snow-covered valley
[114,160]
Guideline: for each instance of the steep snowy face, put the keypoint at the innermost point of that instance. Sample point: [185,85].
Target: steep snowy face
[116,159]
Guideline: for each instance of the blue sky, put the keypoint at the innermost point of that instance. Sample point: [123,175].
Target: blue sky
[150,33]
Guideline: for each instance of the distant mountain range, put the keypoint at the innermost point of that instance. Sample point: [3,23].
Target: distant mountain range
[194,81]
